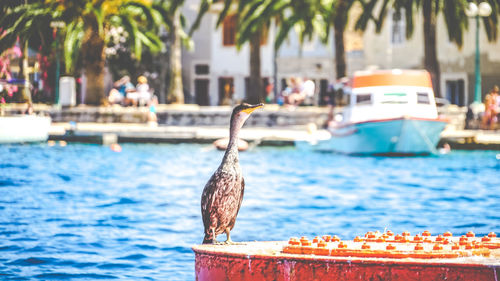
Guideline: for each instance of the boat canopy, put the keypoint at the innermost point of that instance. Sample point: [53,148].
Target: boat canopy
[388,94]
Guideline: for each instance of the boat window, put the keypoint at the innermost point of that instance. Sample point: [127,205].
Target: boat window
[395,98]
[364,99]
[423,98]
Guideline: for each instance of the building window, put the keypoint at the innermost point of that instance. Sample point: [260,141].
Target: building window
[229,31]
[201,87]
[398,28]
[226,90]
[201,69]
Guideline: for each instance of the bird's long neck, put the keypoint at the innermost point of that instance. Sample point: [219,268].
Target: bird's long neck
[231,155]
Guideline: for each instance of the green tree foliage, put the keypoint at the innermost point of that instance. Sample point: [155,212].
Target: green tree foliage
[175,23]
[453,12]
[88,24]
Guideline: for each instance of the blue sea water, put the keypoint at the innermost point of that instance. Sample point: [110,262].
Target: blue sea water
[84,212]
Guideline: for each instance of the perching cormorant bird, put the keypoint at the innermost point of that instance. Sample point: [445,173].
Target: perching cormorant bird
[223,193]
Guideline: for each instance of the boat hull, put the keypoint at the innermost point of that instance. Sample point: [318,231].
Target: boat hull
[385,137]
[24,128]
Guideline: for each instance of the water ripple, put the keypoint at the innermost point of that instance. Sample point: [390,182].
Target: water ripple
[64,276]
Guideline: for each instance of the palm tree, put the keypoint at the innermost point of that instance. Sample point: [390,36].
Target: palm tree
[336,14]
[88,24]
[454,16]
[249,29]
[20,22]
[171,15]
[309,17]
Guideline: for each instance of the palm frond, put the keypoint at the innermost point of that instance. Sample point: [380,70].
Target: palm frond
[204,7]
[224,12]
[366,15]
[138,9]
[72,44]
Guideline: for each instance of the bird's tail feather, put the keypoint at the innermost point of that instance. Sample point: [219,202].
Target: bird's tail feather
[208,239]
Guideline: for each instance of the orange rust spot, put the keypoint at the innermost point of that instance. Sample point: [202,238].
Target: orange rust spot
[463,240]
[447,234]
[358,239]
[419,247]
[342,245]
[405,233]
[491,245]
[492,234]
[470,234]
[426,233]
[390,247]
[370,234]
[335,238]
[417,238]
[304,241]
[437,247]
[321,251]
[365,246]
[327,238]
[322,244]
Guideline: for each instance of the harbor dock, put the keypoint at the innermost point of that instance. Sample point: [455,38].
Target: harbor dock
[107,133]
[273,125]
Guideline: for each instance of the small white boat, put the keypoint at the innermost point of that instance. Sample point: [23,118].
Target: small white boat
[24,128]
[389,112]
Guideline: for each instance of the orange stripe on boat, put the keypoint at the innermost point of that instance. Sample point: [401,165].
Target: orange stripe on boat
[418,78]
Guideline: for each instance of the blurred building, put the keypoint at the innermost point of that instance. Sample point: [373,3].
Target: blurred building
[216,73]
[391,49]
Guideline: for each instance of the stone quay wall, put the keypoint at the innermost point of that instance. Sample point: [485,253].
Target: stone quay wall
[217,116]
[190,116]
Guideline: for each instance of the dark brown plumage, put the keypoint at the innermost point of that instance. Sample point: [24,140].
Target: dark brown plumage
[223,193]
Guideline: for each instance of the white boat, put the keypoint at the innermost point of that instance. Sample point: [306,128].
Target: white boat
[24,128]
[389,112]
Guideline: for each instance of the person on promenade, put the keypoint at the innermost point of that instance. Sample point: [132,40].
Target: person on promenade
[491,109]
[152,119]
[118,94]
[297,91]
[143,90]
[496,90]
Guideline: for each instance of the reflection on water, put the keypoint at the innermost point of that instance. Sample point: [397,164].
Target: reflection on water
[86,212]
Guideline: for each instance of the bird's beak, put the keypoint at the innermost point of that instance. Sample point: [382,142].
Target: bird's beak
[252,108]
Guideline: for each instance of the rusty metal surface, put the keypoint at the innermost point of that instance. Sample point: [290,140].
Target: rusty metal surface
[267,261]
